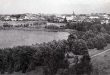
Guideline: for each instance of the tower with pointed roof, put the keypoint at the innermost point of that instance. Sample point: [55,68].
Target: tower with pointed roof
[73,13]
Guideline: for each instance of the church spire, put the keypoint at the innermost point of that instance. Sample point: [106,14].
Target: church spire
[73,13]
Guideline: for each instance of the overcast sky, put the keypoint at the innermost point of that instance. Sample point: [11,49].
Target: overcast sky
[54,6]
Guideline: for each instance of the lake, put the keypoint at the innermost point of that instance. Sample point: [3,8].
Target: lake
[11,38]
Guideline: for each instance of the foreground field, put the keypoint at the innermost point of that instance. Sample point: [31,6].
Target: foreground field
[101,62]
[93,52]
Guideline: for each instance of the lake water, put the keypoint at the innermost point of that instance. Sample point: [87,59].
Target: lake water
[11,38]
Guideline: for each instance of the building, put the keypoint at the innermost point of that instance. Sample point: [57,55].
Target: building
[7,18]
[70,18]
[94,17]
[13,19]
[105,21]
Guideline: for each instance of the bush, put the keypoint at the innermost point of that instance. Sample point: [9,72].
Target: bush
[52,55]
[107,37]
[89,34]
[84,67]
[79,26]
[90,43]
[80,47]
[77,46]
[78,34]
[97,28]
[96,40]
[107,27]
[71,25]
[100,42]
[52,27]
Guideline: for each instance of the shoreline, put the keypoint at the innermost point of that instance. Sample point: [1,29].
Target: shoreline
[36,29]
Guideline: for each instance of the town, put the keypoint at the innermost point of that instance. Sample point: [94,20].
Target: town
[43,20]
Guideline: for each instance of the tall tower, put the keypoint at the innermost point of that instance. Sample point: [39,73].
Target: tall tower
[73,13]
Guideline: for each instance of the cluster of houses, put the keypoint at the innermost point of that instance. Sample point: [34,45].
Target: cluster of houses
[103,18]
[22,17]
[34,20]
[22,20]
[23,24]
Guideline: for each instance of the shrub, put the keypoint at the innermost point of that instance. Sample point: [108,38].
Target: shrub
[97,28]
[78,34]
[107,37]
[84,67]
[107,27]
[77,46]
[71,25]
[100,42]
[23,57]
[2,62]
[52,27]
[52,56]
[89,34]
[80,47]
[81,26]
[90,43]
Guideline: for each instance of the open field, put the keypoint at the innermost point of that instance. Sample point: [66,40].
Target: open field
[101,62]
[95,51]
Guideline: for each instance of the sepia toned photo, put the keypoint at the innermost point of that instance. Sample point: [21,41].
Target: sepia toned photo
[54,37]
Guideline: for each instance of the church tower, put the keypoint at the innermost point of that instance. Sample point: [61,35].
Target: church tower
[74,14]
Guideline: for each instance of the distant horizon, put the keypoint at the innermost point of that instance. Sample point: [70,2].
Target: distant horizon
[54,6]
[50,13]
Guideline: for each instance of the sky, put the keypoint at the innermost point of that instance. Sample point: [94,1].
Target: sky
[54,6]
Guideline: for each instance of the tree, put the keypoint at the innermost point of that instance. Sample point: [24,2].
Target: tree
[100,42]
[80,47]
[71,39]
[65,20]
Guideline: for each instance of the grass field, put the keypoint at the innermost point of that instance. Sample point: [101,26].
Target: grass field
[101,63]
[95,51]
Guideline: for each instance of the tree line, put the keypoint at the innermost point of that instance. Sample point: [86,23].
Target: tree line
[96,35]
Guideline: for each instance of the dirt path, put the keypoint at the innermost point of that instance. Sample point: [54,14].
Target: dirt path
[100,53]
